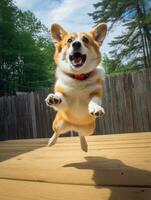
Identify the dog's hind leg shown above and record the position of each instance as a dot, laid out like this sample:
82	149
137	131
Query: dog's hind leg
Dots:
53	139
60	126
84	130
83	143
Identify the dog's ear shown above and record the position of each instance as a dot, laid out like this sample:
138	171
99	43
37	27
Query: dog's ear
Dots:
57	33
99	32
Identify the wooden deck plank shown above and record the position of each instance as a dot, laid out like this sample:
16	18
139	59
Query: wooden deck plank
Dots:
103	143
109	137
114	160
125	136
25	190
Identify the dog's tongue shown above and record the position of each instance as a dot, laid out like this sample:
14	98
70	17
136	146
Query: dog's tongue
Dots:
77	60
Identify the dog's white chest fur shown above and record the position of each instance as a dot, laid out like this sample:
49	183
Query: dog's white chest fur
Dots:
78	92
78	103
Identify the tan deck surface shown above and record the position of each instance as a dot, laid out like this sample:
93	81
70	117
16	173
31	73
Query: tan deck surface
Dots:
116	167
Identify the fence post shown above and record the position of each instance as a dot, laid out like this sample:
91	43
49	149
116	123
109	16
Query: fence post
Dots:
33	114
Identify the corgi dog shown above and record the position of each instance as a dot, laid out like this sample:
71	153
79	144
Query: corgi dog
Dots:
77	93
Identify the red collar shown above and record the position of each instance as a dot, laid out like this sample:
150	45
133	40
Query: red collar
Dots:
80	77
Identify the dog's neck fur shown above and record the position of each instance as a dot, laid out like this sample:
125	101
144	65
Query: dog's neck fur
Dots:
68	82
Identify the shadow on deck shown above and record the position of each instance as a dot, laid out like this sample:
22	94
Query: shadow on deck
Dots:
106	175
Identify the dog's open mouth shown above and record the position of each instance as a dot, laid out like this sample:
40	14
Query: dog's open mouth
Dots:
77	59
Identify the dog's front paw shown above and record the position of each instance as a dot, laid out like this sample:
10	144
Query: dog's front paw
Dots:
95	110
53	99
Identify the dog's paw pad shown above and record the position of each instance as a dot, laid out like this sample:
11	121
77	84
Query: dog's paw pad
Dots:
96	111
53	99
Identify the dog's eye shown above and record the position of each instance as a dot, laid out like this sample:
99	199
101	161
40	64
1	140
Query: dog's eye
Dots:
85	39
69	40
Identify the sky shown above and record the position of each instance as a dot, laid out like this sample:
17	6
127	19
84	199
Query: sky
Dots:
71	14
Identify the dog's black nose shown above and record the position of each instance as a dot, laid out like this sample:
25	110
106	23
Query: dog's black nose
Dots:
76	45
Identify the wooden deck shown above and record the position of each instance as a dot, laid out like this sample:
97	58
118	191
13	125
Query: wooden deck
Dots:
116	167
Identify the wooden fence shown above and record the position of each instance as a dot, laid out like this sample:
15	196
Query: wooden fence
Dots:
127	103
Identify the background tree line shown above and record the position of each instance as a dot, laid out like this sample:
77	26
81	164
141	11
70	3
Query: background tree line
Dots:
132	49
26	52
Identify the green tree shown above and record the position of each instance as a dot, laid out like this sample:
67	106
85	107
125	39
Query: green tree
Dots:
110	65
133	47
35	50
115	66
26	51
8	56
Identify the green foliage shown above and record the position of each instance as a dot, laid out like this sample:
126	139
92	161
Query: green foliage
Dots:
132	49
26	52
115	66
110	65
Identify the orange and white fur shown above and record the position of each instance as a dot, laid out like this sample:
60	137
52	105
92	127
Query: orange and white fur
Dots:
77	94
